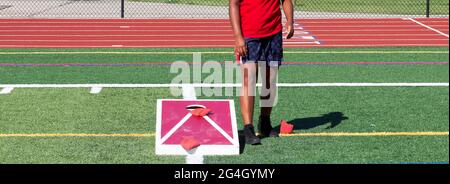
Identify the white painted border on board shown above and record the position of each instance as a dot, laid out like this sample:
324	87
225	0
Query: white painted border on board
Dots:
161	149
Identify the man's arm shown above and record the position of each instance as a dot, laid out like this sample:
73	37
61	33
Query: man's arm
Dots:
235	19
288	9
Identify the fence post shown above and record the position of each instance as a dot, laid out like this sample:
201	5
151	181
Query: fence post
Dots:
122	8
428	8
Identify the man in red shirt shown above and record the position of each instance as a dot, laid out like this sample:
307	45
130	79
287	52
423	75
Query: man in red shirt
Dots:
257	30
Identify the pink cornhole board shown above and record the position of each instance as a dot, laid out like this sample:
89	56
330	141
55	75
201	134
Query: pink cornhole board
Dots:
216	132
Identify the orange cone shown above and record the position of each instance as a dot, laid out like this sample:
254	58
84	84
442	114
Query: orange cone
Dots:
286	128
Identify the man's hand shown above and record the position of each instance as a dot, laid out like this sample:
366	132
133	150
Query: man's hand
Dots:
288	8
235	19
240	47
289	30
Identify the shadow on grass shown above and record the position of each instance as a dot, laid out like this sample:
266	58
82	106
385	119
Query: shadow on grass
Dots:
332	118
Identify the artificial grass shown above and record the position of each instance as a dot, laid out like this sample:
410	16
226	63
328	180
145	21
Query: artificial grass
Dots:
289	73
309	54
341	150
362	109
86	150
161	74
78	111
366	109
132	111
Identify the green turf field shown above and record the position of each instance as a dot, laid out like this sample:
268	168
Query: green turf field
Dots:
132	111
407	7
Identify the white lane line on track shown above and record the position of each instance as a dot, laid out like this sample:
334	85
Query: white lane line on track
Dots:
199	30
297	27
298	42
428	27
216	45
206	35
231	40
217	21
115	26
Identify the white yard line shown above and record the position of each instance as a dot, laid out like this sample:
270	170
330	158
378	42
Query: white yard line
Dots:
6	90
96	90
225	85
188	92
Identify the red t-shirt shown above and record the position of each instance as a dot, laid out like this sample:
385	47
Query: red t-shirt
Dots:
260	18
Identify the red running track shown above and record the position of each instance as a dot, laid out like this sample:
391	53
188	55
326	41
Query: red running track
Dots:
213	33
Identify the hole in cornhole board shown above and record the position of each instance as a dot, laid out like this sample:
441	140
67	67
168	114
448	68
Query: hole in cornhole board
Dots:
195	106
216	132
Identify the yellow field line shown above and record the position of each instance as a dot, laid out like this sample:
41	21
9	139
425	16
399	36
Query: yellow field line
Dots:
219	52
367	134
317	134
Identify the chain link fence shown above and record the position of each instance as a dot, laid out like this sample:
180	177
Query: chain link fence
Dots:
215	8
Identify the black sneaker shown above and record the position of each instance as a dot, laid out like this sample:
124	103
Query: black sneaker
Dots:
250	137
265	128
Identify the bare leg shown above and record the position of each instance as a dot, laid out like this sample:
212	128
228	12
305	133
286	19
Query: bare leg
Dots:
247	97
249	76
